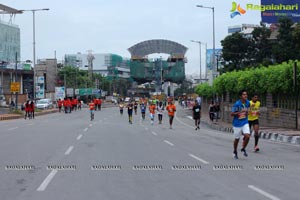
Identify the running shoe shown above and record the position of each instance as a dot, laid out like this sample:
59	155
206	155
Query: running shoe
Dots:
235	155
256	149
245	152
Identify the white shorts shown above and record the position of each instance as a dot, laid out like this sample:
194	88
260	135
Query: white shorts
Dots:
238	131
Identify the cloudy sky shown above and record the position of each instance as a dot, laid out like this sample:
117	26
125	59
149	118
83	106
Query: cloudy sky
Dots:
112	26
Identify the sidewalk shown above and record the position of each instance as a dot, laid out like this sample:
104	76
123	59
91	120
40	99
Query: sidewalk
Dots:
270	133
17	116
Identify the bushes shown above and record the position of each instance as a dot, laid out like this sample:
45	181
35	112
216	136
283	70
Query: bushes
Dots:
273	79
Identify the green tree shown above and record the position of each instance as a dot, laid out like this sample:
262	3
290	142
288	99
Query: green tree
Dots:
237	52
283	50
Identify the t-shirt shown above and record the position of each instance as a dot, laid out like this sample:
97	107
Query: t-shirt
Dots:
171	109
129	108
196	110
92	106
143	108
160	110
253	111
241	119
152	109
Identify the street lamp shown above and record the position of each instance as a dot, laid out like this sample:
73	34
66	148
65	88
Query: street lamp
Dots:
200	77
214	46
34	74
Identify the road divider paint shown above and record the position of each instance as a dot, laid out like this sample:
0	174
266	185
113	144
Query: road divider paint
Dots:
268	195
79	137
91	125
154	133
85	130
69	150
199	159
46	182
169	143
13	128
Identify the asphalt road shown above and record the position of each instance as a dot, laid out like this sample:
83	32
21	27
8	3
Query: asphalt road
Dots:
66	156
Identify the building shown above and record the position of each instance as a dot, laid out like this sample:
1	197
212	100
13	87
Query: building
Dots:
9	42
104	64
245	29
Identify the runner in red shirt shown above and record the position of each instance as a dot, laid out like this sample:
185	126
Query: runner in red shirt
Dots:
59	104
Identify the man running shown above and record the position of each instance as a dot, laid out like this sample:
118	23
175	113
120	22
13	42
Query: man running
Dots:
171	108
121	106
59	104
160	110
253	119
240	123
143	110
135	107
152	108
130	110
92	109
197	114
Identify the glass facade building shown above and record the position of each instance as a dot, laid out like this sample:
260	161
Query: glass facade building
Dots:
9	42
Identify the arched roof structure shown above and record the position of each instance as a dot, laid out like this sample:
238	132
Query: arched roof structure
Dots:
147	47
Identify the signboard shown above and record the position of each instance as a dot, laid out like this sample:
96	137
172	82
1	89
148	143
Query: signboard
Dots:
59	93
70	92
15	87
85	91
272	10
40	87
209	58
27	66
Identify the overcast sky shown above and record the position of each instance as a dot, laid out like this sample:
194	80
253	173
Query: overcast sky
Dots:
112	26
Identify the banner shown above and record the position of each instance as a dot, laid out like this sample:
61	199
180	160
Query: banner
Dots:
40	87
59	93
272	10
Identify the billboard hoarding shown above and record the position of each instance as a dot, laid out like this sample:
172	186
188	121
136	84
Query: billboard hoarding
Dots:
272	10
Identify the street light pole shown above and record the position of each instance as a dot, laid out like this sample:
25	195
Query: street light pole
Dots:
214	44
33	25
200	77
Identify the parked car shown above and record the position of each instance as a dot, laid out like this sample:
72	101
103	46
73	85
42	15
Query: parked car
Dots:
44	104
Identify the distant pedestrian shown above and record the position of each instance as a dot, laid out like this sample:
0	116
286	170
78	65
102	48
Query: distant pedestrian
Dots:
240	123
253	116
27	109
143	110
32	109
171	108
197	114
152	108
160	110
130	110
212	111
59	104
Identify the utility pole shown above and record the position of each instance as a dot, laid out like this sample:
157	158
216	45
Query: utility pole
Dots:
16	77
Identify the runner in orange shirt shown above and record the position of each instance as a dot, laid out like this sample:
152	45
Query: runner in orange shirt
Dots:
171	108
59	104
92	109
152	108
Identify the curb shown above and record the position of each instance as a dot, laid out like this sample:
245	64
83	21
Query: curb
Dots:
263	135
11	117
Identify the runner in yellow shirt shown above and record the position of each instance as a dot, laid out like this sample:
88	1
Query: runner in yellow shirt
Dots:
253	116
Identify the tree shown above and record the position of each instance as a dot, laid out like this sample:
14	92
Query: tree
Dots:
296	40
262	45
236	52
283	50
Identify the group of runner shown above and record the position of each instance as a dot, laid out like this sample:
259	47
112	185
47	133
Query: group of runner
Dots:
154	107
245	115
69	104
29	110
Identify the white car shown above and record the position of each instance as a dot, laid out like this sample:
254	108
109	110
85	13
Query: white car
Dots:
44	104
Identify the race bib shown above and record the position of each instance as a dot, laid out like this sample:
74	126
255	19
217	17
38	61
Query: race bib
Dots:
197	110
242	115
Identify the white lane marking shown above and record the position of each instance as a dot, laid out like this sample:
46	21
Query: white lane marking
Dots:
190	117
85	130
268	195
91	125
154	133
79	137
146	129
69	150
169	143
30	124
184	123
199	159
13	128
46	182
